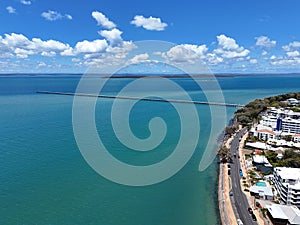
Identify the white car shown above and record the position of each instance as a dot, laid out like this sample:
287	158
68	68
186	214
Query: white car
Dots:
239	222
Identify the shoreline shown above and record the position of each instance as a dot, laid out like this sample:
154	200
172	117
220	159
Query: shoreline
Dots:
224	220
226	212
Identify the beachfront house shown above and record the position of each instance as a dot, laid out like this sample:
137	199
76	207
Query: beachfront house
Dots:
261	163
283	214
293	101
262	132
262	192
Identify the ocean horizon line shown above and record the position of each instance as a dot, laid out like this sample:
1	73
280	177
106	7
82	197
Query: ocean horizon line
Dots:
151	75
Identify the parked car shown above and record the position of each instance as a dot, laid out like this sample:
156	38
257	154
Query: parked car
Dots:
250	210
239	222
254	217
231	193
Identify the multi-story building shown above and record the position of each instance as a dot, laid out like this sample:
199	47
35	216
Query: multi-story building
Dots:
282	120
287	183
263	132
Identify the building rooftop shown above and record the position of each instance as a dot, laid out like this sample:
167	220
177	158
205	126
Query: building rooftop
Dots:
285	111
285	212
261	190
276	212
266	131
288	173
260	127
260	159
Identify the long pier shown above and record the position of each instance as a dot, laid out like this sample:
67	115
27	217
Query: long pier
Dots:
143	99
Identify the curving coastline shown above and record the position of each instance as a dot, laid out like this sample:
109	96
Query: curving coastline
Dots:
241	201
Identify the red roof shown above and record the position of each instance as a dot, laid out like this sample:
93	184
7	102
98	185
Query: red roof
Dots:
257	151
266	131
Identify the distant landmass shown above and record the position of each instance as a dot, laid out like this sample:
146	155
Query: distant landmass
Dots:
153	75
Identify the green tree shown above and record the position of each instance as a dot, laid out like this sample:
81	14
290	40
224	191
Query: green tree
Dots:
272	157
229	130
224	154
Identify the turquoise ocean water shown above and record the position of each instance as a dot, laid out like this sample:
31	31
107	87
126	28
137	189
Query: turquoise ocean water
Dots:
45	181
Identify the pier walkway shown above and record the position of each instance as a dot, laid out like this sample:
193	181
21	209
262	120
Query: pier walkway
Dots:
143	99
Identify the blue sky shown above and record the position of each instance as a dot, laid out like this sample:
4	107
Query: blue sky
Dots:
229	36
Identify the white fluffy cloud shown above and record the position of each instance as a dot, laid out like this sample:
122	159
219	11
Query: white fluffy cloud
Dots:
227	43
86	47
111	56
291	46
185	53
264	41
293	54
110	49
10	9
14	40
228	48
48	54
89	52
113	36
139	58
103	20
126	47
23	53
253	61
25	2
150	23
213	59
38	44
22	47
291	57
54	15
200	50
68	16
285	61
91	46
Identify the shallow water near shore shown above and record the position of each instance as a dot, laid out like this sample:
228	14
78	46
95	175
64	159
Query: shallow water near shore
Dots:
45	180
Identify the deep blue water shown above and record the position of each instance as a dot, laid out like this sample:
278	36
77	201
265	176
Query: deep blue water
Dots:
45	180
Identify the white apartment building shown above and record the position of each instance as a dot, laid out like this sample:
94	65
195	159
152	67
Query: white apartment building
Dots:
263	132
293	101
287	183
282	120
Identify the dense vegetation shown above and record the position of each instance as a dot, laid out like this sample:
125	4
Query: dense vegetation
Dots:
250	113
291	158
224	154
230	130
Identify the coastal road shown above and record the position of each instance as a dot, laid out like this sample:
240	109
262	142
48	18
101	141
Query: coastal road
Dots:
239	198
